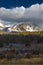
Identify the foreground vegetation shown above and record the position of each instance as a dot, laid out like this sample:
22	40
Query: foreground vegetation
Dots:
22	33
18	55
23	61
25	37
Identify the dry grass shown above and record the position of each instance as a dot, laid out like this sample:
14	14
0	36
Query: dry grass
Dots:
23	61
28	33
22	33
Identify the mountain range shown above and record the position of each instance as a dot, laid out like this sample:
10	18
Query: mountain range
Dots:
20	27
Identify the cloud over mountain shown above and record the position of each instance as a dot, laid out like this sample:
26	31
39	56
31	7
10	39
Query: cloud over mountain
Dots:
21	14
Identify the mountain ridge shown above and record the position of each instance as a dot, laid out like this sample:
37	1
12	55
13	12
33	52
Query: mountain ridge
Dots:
20	27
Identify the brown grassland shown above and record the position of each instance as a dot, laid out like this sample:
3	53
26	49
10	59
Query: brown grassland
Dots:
34	60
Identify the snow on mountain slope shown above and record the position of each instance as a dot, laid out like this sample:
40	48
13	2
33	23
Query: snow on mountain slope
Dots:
23	27
20	27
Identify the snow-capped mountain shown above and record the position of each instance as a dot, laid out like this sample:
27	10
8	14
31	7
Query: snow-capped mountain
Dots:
23	27
20	27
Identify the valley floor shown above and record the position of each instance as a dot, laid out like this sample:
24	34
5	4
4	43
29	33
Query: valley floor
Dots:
23	61
15	45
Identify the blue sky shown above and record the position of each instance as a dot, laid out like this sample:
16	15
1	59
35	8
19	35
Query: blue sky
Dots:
14	11
18	3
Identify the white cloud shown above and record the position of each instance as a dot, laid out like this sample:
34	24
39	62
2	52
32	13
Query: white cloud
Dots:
33	13
13	13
